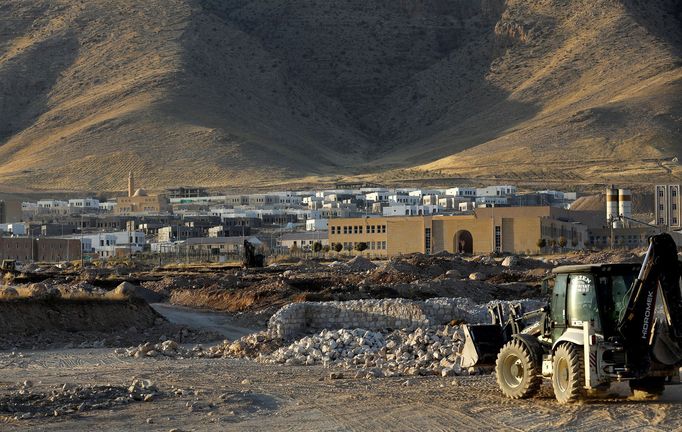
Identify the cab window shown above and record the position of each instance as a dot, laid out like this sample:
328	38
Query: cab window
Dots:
582	300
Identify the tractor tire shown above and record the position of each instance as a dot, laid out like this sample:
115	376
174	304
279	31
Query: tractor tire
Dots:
648	388
518	370
568	373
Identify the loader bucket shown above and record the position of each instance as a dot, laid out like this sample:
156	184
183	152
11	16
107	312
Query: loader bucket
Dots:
481	344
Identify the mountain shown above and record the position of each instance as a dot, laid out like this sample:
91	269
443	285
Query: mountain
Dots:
255	92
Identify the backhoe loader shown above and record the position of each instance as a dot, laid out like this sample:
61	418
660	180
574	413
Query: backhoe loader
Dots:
602	324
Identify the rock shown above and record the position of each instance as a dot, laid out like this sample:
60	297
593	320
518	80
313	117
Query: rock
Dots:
477	276
335	375
128	290
42	291
447	372
510	261
246	381
8	293
453	274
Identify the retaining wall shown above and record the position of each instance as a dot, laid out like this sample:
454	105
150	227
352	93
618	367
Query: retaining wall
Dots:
307	317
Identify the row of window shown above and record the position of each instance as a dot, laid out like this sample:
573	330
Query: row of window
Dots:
662	207
380	245
661	221
359	229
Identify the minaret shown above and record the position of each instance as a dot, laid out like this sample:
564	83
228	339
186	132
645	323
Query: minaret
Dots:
131	184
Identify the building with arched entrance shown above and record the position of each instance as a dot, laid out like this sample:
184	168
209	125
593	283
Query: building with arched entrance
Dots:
501	229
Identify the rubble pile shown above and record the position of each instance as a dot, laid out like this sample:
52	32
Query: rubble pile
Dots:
249	346
24	401
424	351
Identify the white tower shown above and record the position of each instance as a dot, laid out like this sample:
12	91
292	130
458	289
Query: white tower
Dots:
612	206
625	204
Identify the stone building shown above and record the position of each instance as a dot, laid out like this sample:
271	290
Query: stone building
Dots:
138	201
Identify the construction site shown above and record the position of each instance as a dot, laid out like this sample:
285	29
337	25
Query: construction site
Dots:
303	344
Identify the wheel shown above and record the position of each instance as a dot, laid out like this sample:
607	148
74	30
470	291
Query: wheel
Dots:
518	370
648	388
568	373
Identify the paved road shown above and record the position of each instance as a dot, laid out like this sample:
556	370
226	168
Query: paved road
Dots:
218	322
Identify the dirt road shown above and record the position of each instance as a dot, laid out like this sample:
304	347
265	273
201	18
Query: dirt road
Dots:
216	397
218	322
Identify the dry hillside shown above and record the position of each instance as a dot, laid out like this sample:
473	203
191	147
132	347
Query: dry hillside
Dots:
239	92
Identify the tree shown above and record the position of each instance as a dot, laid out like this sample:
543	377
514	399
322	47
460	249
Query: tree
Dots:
294	249
317	247
326	248
541	244
562	242
552	244
360	246
338	247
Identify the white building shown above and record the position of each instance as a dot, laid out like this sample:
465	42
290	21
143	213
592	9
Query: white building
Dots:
303	240
491	191
461	192
316	224
466	206
114	243
108	206
491	200
668	209
18	229
411	210
51	204
378	196
408	200
422	192
84	204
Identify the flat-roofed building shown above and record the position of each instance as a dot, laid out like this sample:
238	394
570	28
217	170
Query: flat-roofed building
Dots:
509	229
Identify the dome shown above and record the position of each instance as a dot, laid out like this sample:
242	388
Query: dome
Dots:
140	192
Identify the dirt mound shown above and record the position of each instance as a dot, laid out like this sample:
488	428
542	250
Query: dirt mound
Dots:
360	264
32	316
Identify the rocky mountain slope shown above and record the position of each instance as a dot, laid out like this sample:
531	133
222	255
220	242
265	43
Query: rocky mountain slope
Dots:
244	92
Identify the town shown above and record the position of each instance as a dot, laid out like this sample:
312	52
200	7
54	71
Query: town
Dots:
188	224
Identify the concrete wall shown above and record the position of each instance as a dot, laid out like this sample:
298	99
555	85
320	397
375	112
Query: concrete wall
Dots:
296	319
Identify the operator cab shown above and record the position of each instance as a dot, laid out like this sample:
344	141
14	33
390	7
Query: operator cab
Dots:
596	293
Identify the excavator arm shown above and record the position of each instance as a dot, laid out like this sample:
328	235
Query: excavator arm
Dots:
660	269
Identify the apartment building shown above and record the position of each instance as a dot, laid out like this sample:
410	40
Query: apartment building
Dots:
668	206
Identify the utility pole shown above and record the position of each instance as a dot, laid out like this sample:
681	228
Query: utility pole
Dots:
81	240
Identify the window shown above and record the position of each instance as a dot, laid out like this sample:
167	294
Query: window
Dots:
427	240
674	221
674	206
660	206
383	229
582	300
660	221
498	239
355	229
673	192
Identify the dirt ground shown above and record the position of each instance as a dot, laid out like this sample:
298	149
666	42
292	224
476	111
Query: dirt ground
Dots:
242	395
